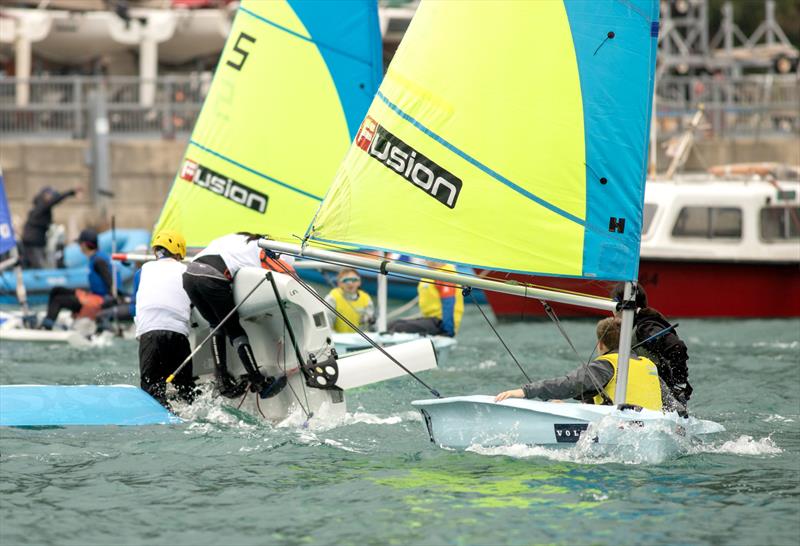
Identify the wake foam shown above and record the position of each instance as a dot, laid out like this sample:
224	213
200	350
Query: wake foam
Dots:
744	445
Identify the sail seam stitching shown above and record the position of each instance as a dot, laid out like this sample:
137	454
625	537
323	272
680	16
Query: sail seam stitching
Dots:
298	35
494	174
253	171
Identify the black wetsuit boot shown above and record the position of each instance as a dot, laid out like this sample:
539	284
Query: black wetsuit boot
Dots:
227	385
267	387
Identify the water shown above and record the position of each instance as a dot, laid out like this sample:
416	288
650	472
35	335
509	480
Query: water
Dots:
376	479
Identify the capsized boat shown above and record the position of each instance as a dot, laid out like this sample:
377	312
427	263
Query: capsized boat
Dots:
524	153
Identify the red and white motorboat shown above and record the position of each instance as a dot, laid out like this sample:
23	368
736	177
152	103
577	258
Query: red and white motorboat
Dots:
711	247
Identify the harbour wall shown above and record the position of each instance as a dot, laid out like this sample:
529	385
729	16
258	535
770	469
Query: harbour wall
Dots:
142	172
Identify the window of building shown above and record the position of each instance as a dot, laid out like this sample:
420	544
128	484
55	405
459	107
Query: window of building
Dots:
649	214
780	223
709	222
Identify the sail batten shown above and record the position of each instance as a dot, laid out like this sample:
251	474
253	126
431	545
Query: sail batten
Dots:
520	152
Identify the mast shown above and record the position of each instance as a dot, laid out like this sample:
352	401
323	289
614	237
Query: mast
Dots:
376	264
383	289
625	337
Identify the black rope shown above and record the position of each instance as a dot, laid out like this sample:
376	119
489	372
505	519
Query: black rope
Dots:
302	383
351	325
552	315
288	327
475	301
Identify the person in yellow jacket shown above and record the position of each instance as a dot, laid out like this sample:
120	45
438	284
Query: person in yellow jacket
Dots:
595	383
350	301
441	305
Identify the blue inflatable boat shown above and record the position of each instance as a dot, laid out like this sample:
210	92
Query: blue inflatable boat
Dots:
38	282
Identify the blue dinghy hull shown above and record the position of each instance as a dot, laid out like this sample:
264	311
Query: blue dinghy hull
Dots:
75	405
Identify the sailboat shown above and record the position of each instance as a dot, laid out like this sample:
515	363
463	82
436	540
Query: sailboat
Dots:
508	136
294	81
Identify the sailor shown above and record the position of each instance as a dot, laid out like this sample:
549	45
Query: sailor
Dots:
667	350
595	383
441	305
34	233
81	302
208	282
162	319
351	302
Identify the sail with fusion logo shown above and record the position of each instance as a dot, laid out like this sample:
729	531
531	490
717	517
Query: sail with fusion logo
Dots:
290	90
506	135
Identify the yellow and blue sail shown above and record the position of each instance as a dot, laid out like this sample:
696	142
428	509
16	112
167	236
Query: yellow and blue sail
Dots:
506	135
293	83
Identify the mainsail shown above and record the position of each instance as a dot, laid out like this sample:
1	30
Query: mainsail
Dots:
506	135
292	85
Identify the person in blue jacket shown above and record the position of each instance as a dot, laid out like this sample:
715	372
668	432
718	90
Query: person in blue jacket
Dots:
84	303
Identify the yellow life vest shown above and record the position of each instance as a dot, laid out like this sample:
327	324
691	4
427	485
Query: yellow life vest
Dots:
430	299
352	309
644	387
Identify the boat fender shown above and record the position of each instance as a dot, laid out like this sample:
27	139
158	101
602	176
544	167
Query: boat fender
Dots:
633	407
322	374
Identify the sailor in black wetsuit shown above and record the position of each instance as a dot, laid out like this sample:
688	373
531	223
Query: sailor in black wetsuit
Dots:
667	351
208	282
34	233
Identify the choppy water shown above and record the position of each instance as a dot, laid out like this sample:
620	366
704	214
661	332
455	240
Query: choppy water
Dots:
225	478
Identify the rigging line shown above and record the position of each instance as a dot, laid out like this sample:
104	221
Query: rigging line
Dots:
302	383
552	315
508	349
355	328
595	384
288	327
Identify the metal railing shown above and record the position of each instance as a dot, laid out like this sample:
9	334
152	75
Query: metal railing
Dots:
751	106
54	107
58	107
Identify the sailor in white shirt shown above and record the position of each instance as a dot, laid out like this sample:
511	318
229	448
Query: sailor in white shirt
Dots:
208	282
162	319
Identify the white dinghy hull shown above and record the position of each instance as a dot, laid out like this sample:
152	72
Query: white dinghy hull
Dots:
348	343
463	421
262	319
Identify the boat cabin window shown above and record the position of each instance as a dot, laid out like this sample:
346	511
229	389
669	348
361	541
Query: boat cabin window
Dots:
709	223
649	214
780	223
